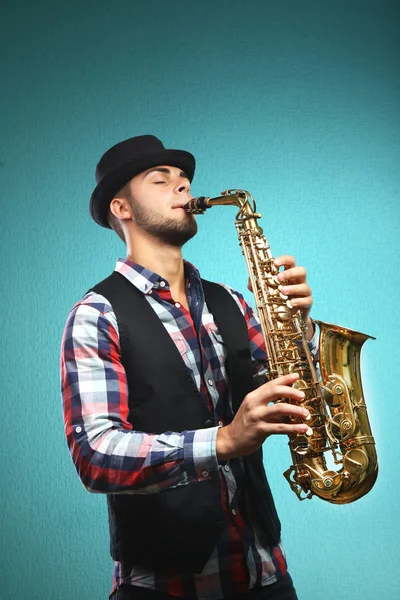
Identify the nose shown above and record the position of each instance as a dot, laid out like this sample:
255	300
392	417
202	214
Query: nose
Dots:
183	186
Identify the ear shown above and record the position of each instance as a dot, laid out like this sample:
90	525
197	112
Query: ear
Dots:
121	208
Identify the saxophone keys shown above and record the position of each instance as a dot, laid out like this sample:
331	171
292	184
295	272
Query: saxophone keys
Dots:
281	294
283	313
342	426
300	444
355	461
274	293
300	384
274	269
330	481
272	282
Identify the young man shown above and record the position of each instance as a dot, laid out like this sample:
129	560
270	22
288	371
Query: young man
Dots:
160	408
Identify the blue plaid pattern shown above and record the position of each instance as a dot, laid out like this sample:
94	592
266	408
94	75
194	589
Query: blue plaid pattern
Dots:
111	457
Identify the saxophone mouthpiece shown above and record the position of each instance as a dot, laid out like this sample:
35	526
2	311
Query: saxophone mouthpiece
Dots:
197	206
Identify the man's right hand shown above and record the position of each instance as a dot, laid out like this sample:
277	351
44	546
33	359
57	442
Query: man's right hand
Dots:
257	419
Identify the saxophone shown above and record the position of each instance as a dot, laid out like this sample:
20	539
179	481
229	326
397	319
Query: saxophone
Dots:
333	394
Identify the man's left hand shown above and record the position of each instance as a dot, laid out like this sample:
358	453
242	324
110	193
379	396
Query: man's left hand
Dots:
294	285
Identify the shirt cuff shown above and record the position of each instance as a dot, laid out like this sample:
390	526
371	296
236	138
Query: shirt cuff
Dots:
200	454
314	342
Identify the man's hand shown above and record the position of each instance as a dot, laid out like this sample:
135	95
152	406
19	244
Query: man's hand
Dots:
256	419
294	285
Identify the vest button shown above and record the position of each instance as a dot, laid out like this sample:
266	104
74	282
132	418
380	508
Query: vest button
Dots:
209	423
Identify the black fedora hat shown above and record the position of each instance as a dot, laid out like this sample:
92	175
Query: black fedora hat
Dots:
125	160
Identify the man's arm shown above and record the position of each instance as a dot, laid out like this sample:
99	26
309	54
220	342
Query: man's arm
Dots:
258	416
109	455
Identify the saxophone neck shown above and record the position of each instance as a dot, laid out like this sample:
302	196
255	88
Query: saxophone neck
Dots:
240	198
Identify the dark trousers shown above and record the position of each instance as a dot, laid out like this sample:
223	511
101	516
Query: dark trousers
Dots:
281	590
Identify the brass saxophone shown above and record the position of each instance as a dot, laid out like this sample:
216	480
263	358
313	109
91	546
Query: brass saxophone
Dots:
339	419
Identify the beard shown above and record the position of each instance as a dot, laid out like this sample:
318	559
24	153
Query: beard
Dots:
168	231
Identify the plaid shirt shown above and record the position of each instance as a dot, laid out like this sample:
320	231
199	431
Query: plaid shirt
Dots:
111	457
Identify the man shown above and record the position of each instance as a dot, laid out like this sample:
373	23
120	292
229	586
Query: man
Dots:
160	408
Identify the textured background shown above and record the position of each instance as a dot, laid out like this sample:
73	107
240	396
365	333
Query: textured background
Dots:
299	102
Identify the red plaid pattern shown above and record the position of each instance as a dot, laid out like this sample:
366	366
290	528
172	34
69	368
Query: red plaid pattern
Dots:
111	457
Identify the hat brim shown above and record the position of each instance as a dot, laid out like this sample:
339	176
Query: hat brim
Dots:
105	191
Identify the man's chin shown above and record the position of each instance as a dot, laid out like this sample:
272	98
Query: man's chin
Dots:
176	236
183	238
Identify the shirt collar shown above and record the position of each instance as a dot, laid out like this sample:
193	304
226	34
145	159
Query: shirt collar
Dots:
146	280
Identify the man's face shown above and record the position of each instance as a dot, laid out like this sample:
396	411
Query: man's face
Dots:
158	197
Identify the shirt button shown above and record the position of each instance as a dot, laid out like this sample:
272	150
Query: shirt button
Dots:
204	473
177	305
226	468
208	423
233	511
210	382
162	284
78	429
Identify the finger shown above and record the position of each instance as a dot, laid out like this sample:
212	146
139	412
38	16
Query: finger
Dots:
302	303
288	379
277	392
249	285
287	429
301	290
288	393
281	413
266	389
281	410
285	260
293	275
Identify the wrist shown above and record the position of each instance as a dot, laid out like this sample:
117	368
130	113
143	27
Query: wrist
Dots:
223	444
310	328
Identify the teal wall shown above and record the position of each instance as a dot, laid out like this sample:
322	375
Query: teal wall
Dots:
298	102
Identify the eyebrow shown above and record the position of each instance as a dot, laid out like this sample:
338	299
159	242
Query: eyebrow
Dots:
164	170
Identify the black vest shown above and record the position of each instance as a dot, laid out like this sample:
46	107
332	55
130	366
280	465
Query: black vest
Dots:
178	527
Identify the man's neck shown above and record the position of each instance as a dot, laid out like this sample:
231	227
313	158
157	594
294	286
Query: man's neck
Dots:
165	260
